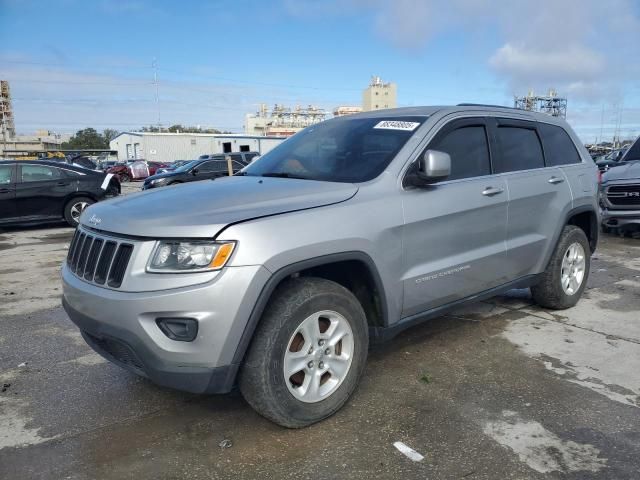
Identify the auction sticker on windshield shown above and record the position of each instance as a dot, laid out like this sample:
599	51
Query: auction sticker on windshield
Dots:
397	125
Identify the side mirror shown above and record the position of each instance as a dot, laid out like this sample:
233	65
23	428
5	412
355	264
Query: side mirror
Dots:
194	171
434	166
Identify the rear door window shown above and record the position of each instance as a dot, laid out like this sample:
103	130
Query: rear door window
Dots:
39	173
520	149
558	146
469	151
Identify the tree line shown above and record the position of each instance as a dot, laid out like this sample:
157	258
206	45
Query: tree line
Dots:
90	138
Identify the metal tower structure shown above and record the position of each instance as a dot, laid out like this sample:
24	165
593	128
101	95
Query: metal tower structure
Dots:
550	104
7	127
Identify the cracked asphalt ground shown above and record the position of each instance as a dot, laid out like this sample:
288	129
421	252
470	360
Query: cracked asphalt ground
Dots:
498	390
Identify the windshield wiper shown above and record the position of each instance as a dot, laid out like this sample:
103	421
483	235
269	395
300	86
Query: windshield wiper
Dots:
284	175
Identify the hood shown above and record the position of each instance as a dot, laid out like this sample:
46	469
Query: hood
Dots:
202	209
623	171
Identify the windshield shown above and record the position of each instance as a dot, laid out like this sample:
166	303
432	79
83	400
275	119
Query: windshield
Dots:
187	166
343	150
634	152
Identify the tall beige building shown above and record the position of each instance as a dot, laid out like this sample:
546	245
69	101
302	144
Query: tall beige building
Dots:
379	95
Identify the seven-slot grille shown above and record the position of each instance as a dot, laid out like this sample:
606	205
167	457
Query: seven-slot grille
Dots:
97	259
624	195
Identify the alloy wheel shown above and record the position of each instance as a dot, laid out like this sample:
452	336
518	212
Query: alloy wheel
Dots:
318	356
573	268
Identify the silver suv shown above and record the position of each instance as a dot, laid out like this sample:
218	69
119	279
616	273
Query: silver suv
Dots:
278	279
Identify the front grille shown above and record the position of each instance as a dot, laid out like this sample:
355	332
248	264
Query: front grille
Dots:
119	351
624	195
97	259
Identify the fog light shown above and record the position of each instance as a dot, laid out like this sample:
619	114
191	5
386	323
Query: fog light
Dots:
179	329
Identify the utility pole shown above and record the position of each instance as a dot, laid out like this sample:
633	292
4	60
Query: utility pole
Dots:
155	82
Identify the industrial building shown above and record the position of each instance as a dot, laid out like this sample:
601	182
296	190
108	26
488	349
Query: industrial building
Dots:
282	121
168	147
7	127
379	95
550	104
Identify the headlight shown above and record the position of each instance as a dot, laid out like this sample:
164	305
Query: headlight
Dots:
195	256
155	181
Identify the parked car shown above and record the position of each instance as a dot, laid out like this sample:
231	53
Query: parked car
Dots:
34	191
136	170
242	157
172	166
107	164
83	161
194	171
620	193
612	159
352	230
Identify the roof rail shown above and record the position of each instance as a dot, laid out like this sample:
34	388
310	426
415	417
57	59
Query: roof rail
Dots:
486	105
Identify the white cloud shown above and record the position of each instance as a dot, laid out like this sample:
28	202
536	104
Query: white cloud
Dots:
574	63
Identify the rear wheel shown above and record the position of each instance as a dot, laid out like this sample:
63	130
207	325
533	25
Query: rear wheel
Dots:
74	208
124	177
308	353
565	278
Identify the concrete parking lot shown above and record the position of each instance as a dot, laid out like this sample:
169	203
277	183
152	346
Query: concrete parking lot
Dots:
501	389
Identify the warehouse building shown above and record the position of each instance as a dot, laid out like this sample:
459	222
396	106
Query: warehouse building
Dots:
168	147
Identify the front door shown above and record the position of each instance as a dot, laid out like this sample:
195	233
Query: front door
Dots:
7	192
455	230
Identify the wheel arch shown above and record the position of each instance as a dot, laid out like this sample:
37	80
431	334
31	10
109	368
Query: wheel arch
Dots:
354	270
73	195
586	219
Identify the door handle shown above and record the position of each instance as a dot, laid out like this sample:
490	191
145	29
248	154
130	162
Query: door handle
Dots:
555	180
5	190
491	191
63	184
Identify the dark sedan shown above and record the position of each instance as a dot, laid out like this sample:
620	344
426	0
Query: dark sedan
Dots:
201	169
36	191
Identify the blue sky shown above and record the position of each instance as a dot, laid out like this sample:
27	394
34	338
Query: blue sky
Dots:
74	63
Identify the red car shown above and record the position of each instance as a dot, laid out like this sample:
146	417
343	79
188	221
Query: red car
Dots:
136	170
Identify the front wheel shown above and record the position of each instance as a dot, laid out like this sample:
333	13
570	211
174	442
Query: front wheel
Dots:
308	353
74	208
565	278
124	177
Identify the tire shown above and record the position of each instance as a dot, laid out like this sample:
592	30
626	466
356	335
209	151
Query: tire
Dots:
550	292
299	302
124	177
74	208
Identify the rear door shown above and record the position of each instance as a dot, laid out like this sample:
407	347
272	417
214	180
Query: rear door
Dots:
455	230
41	190
539	195
7	191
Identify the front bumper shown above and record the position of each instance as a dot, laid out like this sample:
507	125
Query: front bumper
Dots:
620	218
121	326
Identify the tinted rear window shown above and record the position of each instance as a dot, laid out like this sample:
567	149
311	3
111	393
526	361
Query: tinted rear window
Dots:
558	146
469	152
520	150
